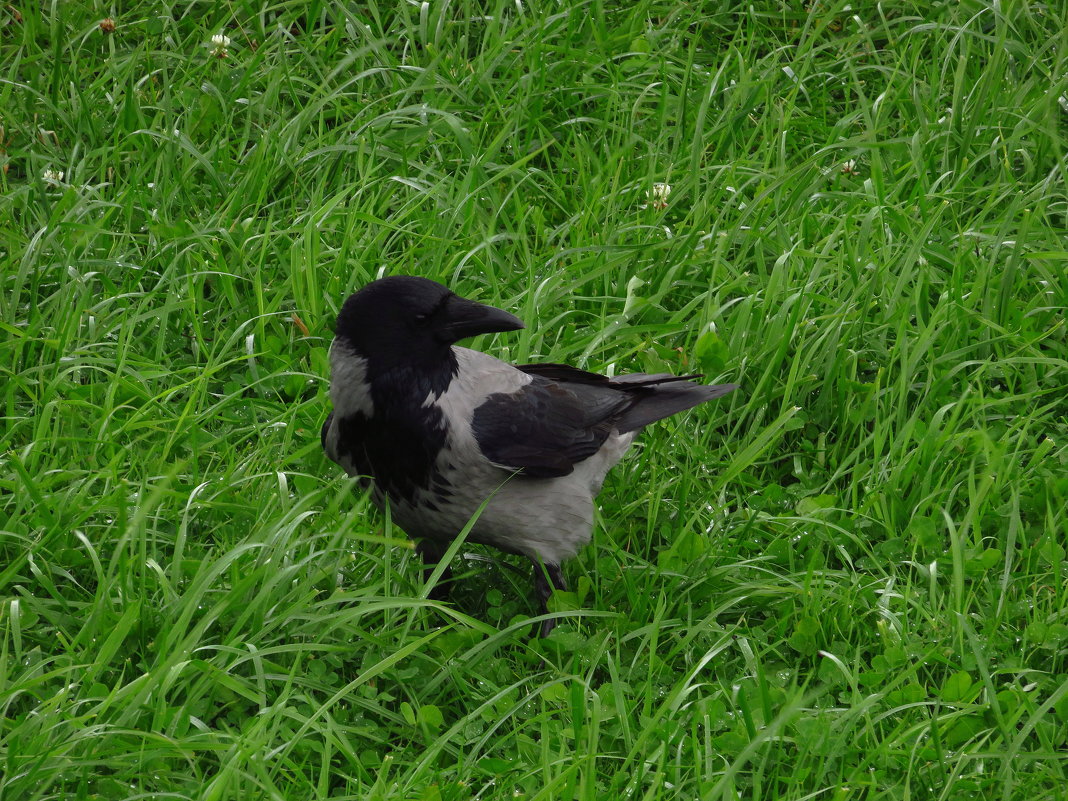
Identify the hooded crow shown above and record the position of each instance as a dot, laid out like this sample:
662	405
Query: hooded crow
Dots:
434	429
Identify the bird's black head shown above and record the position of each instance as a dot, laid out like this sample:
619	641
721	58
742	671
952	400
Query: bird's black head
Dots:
405	320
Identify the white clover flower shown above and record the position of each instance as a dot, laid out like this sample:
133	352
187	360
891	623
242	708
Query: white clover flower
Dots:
849	167
219	43
53	176
658	196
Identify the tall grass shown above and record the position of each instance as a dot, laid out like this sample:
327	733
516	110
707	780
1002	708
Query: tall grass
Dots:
846	580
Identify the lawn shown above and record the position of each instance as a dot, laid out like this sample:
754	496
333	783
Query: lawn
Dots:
846	580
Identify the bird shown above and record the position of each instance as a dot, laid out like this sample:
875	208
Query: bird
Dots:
435	430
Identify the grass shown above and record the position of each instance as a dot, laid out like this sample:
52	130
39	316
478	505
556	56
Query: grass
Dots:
846	580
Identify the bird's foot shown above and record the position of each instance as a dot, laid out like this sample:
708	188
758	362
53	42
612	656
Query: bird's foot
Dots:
547	578
431	553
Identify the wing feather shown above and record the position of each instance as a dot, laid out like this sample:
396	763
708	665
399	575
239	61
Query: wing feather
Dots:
546	427
565	415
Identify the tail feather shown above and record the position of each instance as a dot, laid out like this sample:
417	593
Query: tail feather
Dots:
667	399
647	379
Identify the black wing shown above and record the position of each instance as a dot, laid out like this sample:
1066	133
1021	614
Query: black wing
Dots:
545	428
565	415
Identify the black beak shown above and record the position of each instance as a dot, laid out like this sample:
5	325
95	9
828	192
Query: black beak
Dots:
462	318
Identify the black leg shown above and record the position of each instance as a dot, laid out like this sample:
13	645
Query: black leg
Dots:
431	552
547	577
